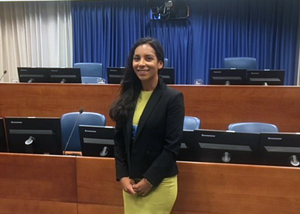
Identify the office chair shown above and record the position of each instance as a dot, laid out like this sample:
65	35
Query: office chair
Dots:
252	127
191	123
240	62
166	62
90	72
68	122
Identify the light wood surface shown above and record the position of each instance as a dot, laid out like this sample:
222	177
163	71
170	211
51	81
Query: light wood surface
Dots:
216	106
37	184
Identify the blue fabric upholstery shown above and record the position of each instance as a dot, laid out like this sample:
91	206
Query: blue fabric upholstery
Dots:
240	62
90	71
252	127
191	123
68	121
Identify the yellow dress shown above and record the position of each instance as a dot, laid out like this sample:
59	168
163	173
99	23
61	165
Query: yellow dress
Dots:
162	198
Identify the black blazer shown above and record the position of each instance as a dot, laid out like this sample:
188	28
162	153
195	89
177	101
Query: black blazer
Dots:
152	154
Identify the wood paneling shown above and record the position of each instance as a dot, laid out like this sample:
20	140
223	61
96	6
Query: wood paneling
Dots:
216	106
203	188
42	184
37	184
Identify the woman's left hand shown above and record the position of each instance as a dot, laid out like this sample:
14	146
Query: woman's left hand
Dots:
143	187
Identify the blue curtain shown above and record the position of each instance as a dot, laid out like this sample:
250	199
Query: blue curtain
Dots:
104	31
268	30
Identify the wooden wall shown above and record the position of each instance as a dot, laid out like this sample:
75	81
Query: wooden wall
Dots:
44	184
216	106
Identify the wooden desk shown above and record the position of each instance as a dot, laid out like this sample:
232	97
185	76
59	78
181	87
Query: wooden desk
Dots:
216	106
37	184
43	184
203	188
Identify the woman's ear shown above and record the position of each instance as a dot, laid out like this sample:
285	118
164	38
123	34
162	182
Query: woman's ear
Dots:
160	65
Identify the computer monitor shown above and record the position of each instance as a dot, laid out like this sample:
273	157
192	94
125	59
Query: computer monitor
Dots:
187	147
227	76
49	75
65	75
227	147
168	75
36	135
115	75
3	142
265	77
282	149
97	141
36	75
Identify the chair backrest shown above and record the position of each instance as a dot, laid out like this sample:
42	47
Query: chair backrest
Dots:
90	71
68	121
252	127
240	62
166	62
191	123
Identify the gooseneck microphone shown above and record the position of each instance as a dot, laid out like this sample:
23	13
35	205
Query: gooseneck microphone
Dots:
4	72
75	124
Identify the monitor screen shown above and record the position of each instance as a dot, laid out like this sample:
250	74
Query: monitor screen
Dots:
3	143
227	147
38	75
34	135
97	141
49	75
65	75
281	149
115	75
265	77
227	76
187	147
168	75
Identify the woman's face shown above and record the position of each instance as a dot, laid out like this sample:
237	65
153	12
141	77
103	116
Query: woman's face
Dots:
145	63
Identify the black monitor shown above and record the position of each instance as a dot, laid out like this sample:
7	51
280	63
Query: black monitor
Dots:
49	75
65	75
34	135
227	147
265	77
281	149
115	75
3	143
227	76
168	75
187	147
97	141
37	75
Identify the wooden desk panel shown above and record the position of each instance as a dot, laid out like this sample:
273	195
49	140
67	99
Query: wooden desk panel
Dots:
216	106
203	188
37	184
37	177
224	188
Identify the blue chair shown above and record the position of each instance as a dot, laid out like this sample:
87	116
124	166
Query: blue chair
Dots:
166	62
68	121
191	123
240	62
90	71
252	127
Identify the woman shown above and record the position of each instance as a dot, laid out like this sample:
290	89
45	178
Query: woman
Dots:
149	121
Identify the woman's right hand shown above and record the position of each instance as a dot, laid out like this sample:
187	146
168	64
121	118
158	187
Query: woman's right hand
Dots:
127	184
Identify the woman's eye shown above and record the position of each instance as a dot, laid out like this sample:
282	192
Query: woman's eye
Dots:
136	58
149	58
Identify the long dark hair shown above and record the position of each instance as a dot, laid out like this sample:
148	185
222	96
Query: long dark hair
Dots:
131	85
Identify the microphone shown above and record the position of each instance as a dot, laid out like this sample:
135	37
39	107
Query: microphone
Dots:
75	124
4	72
63	81
31	80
